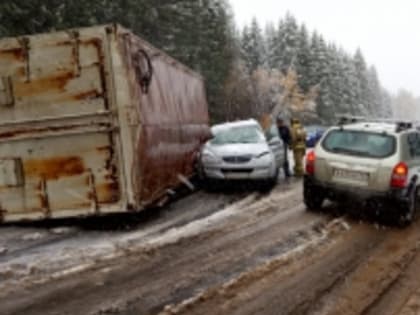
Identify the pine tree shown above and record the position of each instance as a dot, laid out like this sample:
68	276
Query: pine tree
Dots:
202	35
374	90
271	42
349	81
278	46
289	43
362	83
303	57
253	47
386	104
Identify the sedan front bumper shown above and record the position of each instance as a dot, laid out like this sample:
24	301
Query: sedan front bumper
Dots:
239	173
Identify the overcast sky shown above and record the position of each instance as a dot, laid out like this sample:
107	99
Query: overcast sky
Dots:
387	31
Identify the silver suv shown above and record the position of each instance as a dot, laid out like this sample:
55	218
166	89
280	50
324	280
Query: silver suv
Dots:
377	163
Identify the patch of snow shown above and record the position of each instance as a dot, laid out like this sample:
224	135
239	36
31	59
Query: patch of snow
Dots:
81	252
33	236
196	227
62	230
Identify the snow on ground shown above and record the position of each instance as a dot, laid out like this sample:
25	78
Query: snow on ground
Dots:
83	250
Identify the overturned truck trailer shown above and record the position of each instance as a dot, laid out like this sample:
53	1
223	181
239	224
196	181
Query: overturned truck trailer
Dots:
93	120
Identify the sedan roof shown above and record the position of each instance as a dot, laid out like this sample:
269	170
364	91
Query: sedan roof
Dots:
240	123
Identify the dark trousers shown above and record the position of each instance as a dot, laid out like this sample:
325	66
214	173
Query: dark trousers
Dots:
286	168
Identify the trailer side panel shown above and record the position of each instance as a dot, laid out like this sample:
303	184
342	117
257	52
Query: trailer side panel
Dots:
57	155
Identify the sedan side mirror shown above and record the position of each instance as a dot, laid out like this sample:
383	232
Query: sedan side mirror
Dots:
274	141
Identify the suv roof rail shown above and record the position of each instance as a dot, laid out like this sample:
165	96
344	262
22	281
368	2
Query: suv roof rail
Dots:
401	124
348	119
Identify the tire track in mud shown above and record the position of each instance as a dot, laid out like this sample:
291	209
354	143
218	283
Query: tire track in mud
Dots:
26	243
366	288
38	252
22	239
246	228
289	283
261	255
412	305
402	296
173	272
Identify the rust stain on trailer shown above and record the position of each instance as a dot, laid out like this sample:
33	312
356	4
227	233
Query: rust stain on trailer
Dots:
108	192
14	133
93	41
105	148
20	132
88	95
44	203
57	82
54	168
85	42
21	71
61	43
97	42
13	53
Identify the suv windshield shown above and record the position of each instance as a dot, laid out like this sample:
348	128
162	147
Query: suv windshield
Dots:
241	134
365	144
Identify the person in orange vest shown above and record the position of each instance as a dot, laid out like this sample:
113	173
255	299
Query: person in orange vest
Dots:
298	145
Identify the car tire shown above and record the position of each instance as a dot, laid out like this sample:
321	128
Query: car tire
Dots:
409	209
313	197
270	183
275	178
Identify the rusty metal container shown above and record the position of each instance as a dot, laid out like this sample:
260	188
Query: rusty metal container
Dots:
94	120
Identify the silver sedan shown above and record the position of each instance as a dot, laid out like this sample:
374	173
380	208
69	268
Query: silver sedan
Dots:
241	151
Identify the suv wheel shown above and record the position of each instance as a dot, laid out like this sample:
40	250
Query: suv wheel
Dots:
408	209
313	197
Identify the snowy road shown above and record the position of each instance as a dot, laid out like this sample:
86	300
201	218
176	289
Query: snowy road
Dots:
213	254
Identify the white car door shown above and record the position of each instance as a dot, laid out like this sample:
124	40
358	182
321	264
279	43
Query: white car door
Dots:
276	145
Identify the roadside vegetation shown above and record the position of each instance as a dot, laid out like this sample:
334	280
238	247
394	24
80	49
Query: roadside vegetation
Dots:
248	71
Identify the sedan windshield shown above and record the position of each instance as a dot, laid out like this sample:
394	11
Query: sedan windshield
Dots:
240	134
364	144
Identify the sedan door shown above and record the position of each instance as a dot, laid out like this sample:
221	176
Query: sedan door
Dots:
276	145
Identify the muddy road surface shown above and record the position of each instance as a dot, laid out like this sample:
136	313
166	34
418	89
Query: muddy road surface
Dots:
236	253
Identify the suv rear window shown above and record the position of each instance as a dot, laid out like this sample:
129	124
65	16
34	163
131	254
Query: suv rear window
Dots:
359	143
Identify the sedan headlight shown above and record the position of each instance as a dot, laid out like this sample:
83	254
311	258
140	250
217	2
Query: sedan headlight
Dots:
209	158
264	160
263	154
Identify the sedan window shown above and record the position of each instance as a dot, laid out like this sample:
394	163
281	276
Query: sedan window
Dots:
240	134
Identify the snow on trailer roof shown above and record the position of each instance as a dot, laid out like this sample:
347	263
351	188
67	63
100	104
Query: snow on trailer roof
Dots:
235	124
